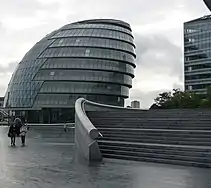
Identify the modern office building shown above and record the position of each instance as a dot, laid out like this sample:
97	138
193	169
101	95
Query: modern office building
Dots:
93	59
135	104
197	54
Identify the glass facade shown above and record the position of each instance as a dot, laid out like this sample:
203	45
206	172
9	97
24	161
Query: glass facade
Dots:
208	3
197	54
93	59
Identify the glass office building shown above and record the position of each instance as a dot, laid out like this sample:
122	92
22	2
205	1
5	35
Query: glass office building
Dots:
93	59
197	54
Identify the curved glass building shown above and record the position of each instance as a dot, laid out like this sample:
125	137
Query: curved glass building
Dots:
93	59
208	3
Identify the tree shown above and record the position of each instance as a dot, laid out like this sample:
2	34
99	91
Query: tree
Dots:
162	98
180	99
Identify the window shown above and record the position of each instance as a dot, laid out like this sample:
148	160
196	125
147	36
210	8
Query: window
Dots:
77	41
87	52
52	73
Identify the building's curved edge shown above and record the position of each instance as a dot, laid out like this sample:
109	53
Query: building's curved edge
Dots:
208	3
106	21
85	134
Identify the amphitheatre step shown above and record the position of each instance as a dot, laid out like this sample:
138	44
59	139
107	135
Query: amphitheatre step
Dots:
160	150
179	142
157	145
148	115
157	160
172	154
173	127
158	155
151	122
157	132
163	137
152	130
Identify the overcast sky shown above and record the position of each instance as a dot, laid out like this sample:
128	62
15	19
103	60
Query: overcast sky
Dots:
157	26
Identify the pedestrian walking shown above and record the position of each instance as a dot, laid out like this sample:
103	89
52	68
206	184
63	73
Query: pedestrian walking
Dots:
12	134
23	131
18	124
65	127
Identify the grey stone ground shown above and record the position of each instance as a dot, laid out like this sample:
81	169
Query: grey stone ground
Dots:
48	161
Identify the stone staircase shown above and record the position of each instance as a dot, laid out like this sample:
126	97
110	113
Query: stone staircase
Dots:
180	137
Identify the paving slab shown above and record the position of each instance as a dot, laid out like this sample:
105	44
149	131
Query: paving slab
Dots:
49	161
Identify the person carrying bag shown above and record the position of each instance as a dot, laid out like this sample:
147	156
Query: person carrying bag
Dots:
23	131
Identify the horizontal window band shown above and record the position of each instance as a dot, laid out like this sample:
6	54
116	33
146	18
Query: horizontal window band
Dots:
84	69
99	47
100	37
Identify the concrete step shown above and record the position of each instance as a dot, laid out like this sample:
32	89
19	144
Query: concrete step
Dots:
167	132
149	140
158	155
174	127
160	150
154	119
204	149
163	137
157	160
149	115
147	122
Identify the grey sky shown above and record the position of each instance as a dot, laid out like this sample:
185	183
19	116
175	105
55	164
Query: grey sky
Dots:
157	26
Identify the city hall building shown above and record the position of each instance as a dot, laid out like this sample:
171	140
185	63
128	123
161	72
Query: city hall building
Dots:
93	59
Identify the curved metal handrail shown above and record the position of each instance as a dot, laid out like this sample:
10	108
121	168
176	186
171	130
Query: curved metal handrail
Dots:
86	134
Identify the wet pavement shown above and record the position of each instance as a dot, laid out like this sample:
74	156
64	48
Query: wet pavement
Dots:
48	161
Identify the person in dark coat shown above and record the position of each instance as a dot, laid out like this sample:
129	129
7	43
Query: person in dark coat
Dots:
18	124
12	134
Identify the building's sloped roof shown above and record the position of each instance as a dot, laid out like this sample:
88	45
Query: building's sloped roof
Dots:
206	17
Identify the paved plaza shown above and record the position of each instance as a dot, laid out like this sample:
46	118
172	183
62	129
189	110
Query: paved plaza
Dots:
48	161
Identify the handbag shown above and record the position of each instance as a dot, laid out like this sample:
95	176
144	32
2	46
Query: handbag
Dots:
9	134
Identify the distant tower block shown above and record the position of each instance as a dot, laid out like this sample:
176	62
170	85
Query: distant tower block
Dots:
135	104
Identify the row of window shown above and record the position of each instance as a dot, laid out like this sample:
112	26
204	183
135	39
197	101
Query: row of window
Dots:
199	76
198	67
93	42
20	102
69	99
197	57
87	75
199	34
77	63
197	26
83	87
95	26
192	40
36	50
201	48
26	86
94	33
201	86
198	52
88	52
32	65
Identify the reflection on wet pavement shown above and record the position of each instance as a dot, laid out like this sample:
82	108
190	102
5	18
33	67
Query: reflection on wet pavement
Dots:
48	161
